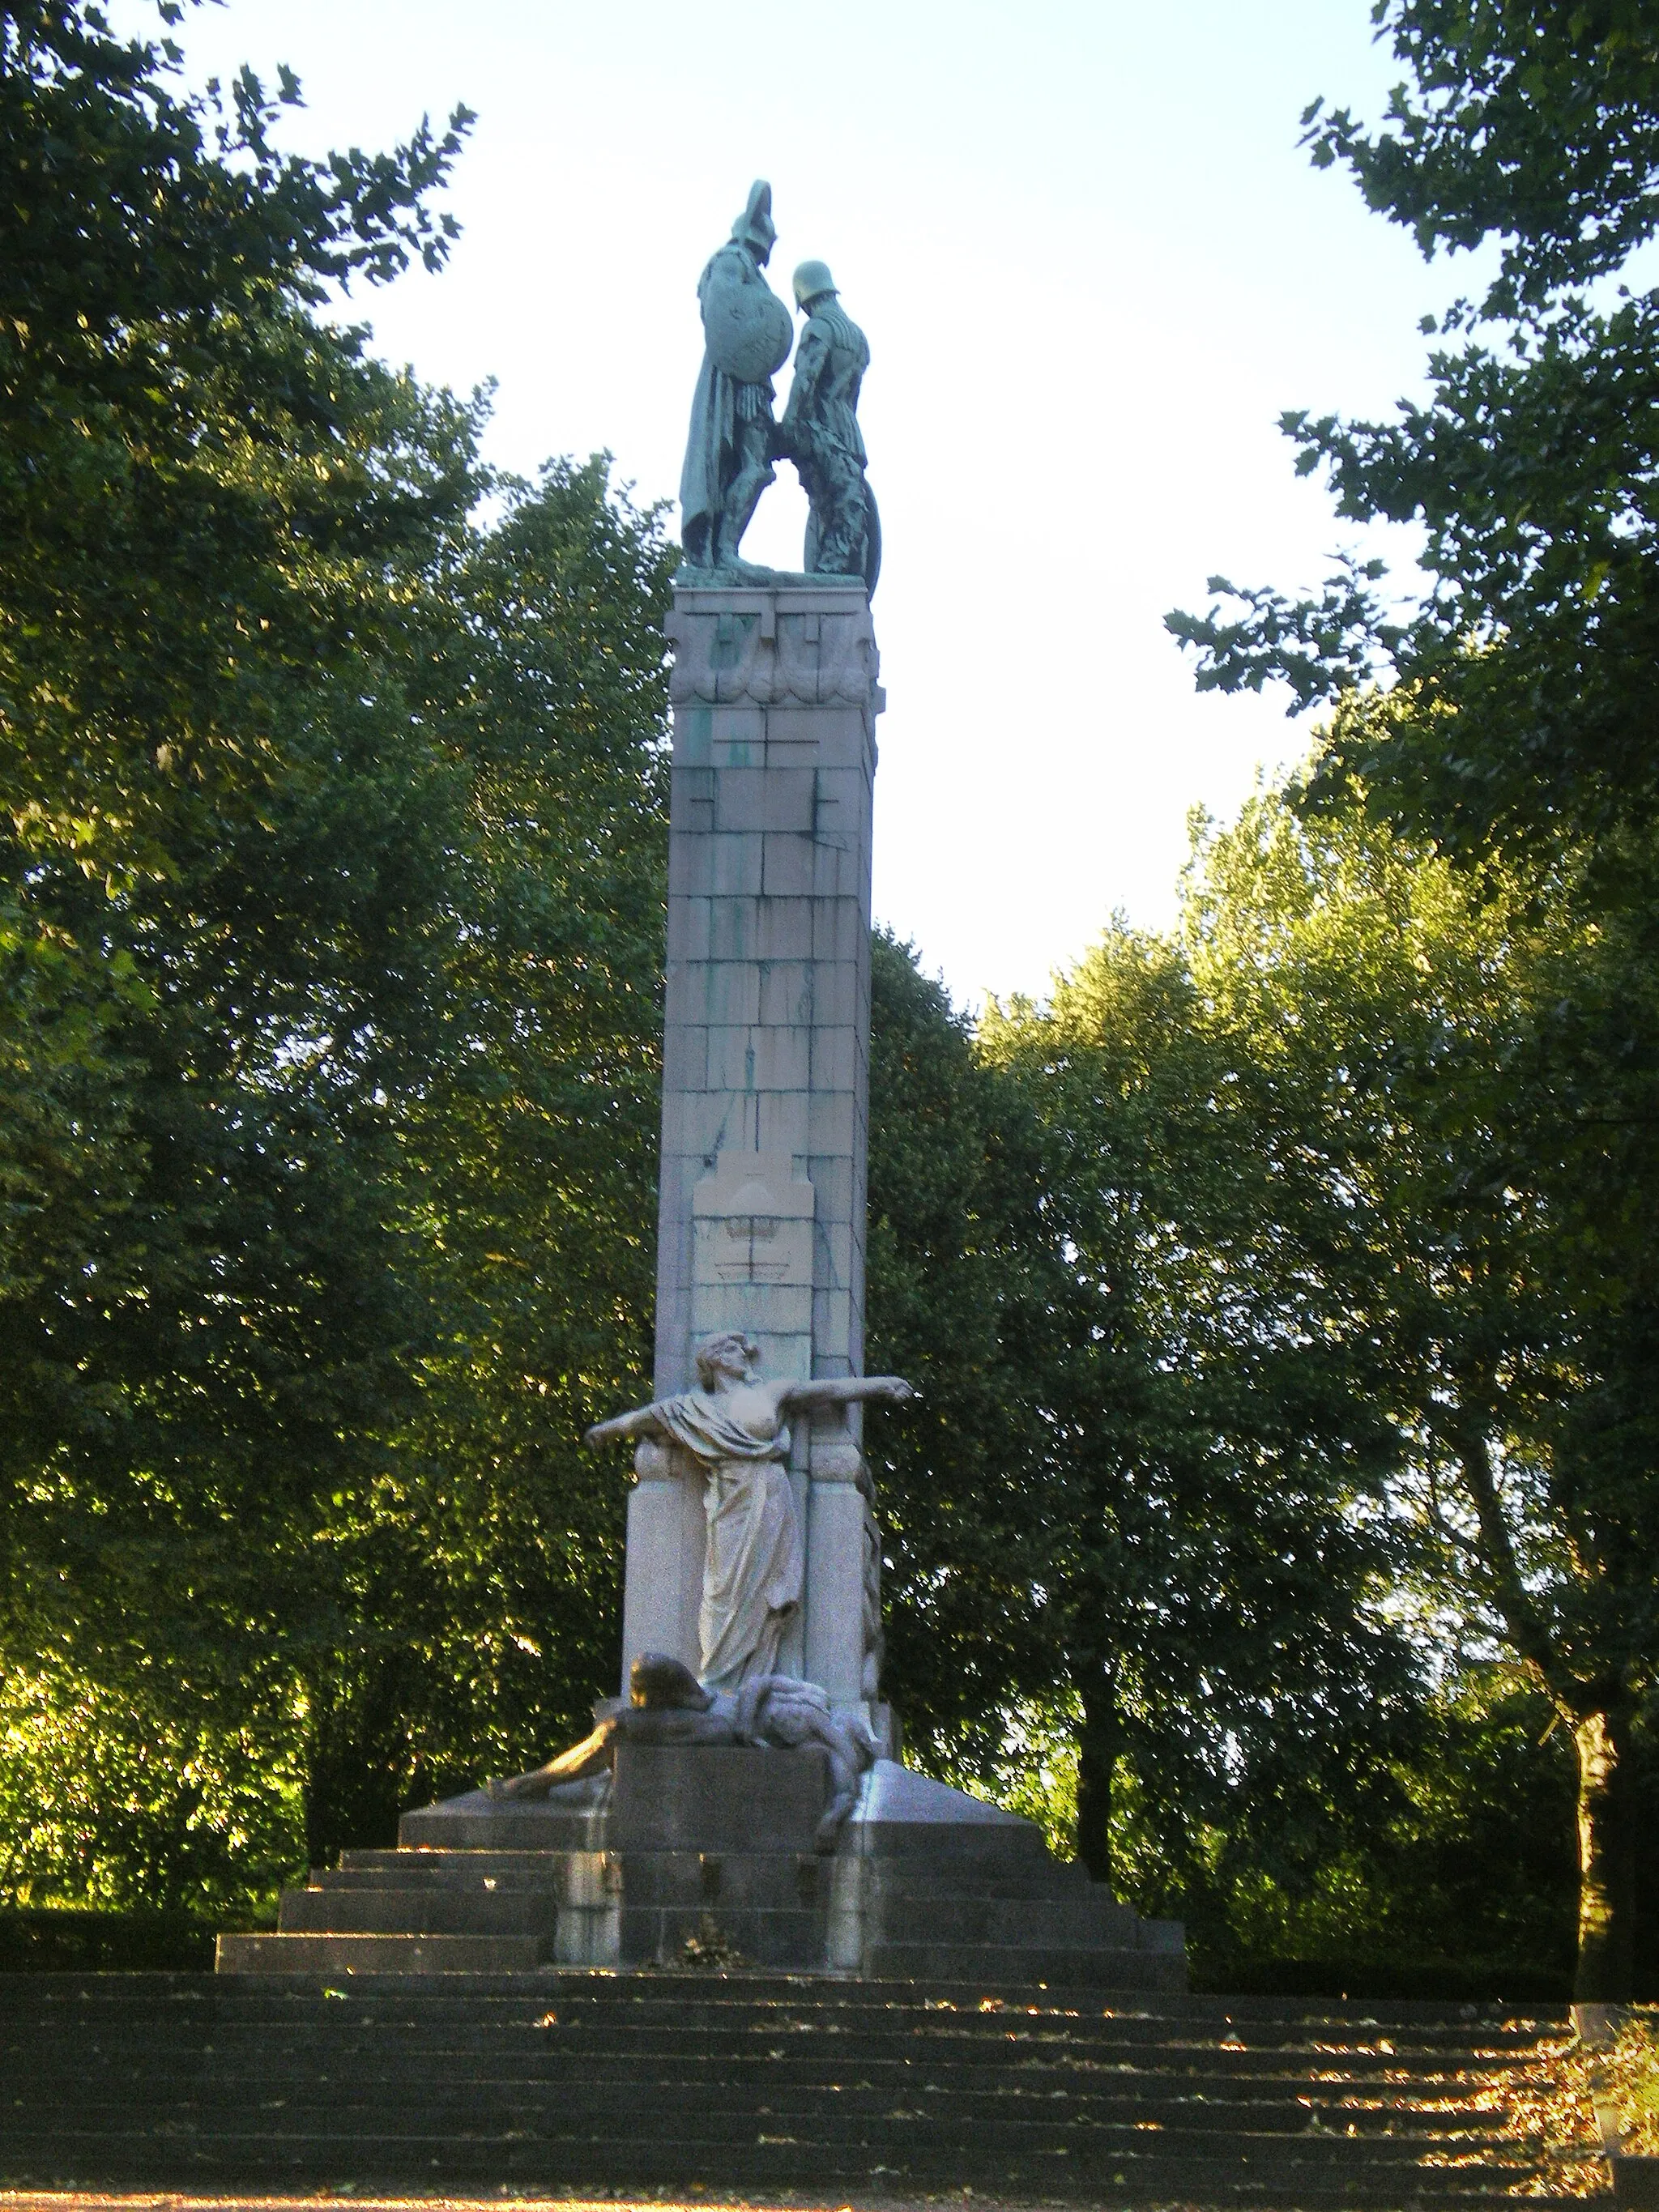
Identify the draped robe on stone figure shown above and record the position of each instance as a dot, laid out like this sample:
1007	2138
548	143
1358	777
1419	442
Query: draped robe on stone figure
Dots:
720	403
754	1569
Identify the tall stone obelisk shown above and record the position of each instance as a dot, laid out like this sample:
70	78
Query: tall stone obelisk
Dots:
765	1085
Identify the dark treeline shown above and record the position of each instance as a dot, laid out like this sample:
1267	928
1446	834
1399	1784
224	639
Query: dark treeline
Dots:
1278	1524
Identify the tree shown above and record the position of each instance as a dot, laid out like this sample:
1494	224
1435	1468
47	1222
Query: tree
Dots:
1198	1456
954	1190
1506	720
1522	700
226	825
483	1558
1453	1048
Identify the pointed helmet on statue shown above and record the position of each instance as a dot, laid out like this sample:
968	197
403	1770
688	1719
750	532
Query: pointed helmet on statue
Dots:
754	227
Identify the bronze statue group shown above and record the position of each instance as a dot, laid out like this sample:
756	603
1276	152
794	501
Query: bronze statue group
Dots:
735	435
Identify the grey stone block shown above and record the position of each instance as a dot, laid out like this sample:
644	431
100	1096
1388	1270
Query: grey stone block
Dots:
688	931
734	929
734	863
675	1241
672	1797
769	799
791	1354
848	789
840	932
419	1909
1009	1965
738	734
693	743
834	1125
684	1057
781	1124
657	1936
722	992
688	868
697	1124
788	865
838	990
786	929
774	1881
691	801
832	1328
838	736
759	1058
902	1813
787	991
409	1862
831	1177
1035	1924
778	1316
835	1240
835	1060
837	868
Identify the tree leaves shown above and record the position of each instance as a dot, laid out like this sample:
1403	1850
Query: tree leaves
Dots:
1523	687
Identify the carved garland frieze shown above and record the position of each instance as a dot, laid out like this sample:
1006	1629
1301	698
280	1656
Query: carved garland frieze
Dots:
761	657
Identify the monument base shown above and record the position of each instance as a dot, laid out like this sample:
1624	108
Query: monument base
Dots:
702	1855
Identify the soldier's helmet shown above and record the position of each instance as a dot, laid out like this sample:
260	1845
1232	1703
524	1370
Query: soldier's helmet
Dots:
813	281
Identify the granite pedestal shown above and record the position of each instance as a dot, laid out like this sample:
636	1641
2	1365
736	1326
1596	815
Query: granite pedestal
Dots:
765	1090
706	1854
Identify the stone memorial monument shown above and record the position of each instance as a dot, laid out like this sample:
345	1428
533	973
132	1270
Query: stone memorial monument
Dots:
746	1781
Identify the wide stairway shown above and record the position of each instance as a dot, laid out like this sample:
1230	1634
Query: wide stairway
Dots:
752	2082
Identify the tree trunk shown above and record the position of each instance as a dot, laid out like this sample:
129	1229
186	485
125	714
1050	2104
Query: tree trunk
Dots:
1098	1742
1607	1859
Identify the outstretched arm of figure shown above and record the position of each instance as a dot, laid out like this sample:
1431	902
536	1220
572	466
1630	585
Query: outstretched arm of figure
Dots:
582	1759
844	1390
642	1422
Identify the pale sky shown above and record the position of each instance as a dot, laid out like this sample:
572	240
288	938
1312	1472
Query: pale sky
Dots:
1093	268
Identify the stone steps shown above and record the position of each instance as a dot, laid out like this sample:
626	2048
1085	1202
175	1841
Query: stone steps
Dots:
475	2094
434	1909
749	2081
823	2167
401	1953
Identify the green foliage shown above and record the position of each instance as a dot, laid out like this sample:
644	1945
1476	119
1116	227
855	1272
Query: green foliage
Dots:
1332	1391
330	937
1474	1104
1205	1578
1470	1879
114	1799
1502	1159
1535	123
954	1193
483	1561
1524	681
226	839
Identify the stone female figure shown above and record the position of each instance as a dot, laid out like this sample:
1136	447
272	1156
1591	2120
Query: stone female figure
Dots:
734	1428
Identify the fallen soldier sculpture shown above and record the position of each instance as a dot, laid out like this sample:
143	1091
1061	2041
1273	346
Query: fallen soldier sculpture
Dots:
668	1704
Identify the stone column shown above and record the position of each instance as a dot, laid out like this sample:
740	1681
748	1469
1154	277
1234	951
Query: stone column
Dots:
765	1081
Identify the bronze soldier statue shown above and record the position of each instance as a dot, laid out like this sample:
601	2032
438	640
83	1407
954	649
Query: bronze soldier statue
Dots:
746	333
820	432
